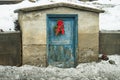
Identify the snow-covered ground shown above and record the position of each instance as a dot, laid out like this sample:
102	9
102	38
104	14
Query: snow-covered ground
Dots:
85	71
110	20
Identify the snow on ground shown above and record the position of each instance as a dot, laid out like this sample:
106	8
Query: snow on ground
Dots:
110	20
85	71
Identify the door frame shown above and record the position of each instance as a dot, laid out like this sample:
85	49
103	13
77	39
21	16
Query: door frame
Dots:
75	35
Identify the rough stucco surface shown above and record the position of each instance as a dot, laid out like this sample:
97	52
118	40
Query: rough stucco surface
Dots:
88	47
33	26
34	55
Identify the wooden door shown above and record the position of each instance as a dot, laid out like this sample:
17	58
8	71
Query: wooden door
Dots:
61	48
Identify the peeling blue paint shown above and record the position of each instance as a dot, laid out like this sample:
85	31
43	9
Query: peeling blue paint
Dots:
61	50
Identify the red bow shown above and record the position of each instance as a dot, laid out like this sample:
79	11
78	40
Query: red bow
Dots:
60	27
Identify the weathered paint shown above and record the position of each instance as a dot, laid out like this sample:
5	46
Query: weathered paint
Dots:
61	48
33	27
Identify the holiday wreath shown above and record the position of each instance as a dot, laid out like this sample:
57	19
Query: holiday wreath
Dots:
59	28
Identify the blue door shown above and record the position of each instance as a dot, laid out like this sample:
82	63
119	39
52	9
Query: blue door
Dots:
61	48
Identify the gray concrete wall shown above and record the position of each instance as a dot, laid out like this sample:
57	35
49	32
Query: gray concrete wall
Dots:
33	27
10	48
110	42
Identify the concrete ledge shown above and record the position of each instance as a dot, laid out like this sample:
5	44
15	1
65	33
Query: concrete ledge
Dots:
61	4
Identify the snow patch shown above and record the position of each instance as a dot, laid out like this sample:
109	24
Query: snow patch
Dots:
84	71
